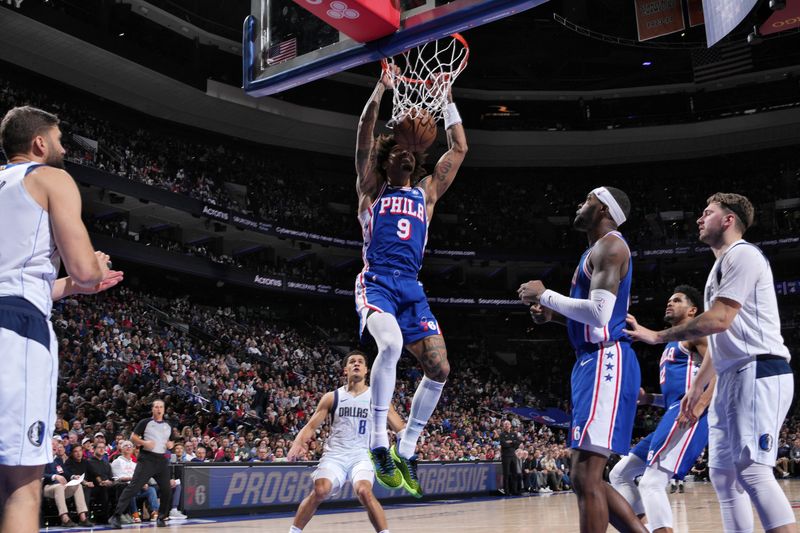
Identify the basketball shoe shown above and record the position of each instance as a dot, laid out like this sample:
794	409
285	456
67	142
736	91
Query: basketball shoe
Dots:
408	470
386	472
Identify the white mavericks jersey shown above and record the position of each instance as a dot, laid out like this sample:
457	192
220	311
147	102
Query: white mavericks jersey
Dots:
744	275
350	425
29	261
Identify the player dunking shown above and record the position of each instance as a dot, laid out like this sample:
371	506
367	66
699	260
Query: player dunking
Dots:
754	380
671	450
346	456
394	211
605	379
41	210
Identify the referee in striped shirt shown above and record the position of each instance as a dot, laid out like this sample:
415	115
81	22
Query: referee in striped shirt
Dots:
152	434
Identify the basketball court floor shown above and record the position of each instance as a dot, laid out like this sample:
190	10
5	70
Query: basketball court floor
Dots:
695	511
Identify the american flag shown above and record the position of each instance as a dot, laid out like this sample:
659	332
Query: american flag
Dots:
722	60
282	51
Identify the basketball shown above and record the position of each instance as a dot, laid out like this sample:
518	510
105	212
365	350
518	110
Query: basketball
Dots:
416	134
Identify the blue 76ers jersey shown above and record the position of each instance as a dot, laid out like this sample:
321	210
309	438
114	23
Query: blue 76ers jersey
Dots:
677	370
585	338
395	229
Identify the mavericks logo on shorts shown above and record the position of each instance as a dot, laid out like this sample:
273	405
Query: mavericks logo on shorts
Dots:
36	433
765	442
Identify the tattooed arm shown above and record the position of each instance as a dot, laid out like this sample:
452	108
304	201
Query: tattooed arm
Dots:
446	168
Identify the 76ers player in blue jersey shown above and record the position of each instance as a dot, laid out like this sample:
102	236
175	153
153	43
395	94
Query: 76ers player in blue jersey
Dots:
671	450
394	210
605	379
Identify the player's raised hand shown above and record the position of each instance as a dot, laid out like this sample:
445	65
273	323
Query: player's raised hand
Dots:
387	75
541	314
531	291
638	332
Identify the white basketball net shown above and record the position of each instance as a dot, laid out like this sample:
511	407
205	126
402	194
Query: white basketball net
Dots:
422	77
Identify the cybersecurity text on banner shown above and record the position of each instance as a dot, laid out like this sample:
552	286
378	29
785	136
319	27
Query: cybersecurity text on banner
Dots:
655	18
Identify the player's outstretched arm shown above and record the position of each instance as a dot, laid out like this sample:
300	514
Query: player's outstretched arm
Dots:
447	167
366	174
716	320
608	259
300	444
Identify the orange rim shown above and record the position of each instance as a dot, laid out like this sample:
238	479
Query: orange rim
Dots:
458	37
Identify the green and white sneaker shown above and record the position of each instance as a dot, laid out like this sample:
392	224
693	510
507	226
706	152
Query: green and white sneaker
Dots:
408	470
386	472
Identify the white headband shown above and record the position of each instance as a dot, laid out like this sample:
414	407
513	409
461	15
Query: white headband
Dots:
613	207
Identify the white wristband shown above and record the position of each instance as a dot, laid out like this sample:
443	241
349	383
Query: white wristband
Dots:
596	311
451	116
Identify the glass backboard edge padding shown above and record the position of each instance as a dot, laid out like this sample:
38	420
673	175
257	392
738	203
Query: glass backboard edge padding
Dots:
417	30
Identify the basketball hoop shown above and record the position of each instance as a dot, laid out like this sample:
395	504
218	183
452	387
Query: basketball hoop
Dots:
422	77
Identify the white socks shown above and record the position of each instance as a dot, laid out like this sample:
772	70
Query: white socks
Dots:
623	479
294	529
384	329
422	406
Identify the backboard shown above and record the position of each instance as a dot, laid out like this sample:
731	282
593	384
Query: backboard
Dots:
285	46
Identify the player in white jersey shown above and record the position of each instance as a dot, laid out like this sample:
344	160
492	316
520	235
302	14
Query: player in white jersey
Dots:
346	451
41	218
754	380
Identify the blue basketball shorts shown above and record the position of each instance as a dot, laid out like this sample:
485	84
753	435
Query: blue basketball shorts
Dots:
673	448
399	294
605	387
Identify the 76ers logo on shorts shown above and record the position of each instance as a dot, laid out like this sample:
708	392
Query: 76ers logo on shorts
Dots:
576	433
36	433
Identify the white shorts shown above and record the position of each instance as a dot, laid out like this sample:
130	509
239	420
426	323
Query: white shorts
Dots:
746	414
28	382
342	468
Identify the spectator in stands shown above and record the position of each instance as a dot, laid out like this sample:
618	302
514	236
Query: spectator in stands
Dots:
55	487
700	468
122	469
794	455
100	473
77	467
200	456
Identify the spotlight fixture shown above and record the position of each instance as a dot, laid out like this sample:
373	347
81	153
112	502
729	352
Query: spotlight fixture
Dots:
777	5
